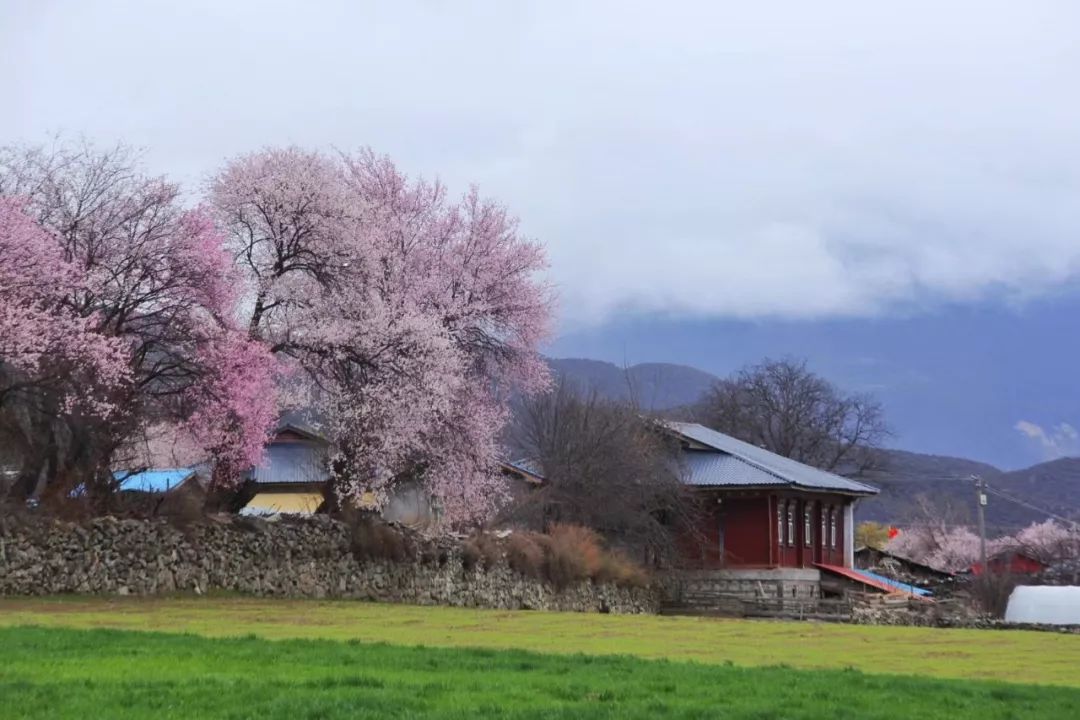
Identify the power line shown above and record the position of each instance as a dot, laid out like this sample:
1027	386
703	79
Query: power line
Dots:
915	477
1000	493
1005	496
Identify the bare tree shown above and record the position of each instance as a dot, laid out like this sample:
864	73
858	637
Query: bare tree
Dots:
784	407
607	467
937	534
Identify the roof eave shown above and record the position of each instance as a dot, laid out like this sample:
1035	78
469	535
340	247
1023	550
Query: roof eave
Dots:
306	432
787	486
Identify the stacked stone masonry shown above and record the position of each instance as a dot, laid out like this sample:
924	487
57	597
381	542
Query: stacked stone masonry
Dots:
309	558
702	587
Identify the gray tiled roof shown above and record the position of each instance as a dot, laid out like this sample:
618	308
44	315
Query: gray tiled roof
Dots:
527	466
306	420
732	462
293	462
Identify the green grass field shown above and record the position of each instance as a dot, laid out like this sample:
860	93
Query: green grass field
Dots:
264	659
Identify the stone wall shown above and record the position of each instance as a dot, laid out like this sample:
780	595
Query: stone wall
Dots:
309	558
711	588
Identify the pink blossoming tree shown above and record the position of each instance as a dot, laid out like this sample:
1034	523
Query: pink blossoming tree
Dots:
48	351
411	316
956	548
151	291
1048	541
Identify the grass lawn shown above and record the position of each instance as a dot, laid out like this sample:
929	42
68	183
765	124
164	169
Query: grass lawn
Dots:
58	673
1013	656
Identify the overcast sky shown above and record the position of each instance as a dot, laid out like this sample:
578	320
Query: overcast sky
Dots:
805	159
766	161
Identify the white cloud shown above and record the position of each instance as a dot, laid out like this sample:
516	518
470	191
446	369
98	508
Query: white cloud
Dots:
1061	440
816	160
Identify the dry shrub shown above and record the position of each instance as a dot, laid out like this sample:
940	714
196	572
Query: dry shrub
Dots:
991	592
373	539
575	553
481	550
67	509
621	570
525	553
470	554
567	554
183	507
432	554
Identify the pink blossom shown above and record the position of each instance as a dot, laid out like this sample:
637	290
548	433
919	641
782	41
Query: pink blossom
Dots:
111	277
234	403
412	316
44	345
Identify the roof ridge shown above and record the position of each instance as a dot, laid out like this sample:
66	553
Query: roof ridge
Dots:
763	467
740	456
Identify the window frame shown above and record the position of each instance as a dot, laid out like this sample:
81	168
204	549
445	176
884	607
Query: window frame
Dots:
781	510
824	525
808	524
832	527
791	524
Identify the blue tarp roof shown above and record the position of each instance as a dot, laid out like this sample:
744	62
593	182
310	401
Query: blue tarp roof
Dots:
921	592
155	480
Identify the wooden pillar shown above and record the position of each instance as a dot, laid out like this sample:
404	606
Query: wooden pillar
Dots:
849	534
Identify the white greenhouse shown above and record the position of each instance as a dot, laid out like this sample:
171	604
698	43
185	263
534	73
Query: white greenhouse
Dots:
1044	604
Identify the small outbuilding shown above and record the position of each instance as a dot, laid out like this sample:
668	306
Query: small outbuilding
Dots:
1011	562
899	568
155	480
1044	605
294	476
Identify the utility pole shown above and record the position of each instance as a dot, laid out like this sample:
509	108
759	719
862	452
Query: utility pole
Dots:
980	501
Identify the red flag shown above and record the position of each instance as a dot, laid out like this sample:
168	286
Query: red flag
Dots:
893	532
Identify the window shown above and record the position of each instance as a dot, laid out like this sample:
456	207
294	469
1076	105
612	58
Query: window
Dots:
808	526
832	528
790	523
824	526
780	523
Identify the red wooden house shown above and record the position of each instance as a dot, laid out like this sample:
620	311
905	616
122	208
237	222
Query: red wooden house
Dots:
1011	562
762	510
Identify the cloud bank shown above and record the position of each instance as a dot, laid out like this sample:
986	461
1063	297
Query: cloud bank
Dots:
1061	440
806	160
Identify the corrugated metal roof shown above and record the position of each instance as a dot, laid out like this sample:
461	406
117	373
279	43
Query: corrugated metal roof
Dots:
901	586
526	466
748	465
293	462
713	468
875	581
153	480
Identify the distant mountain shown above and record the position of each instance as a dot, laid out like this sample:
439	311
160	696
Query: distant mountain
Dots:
944	481
655	386
1053	485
